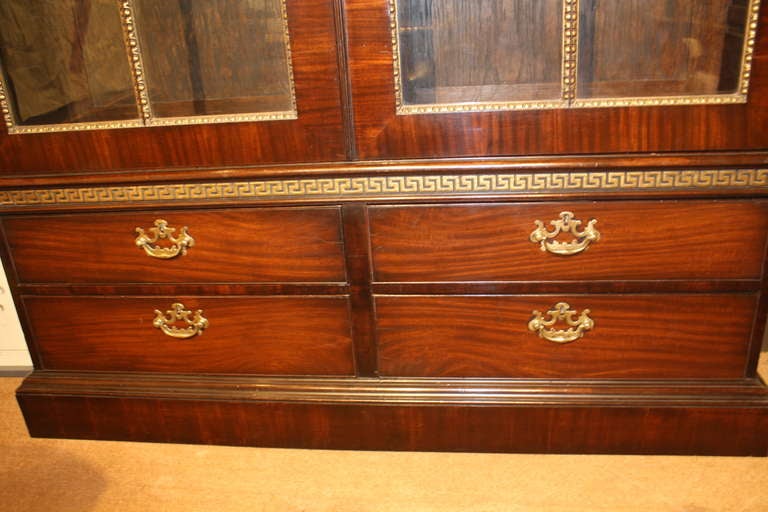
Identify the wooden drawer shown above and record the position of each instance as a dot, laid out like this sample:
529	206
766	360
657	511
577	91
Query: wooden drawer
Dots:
634	336
637	241
236	245
255	335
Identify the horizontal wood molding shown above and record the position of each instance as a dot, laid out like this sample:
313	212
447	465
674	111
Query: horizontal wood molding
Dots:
709	160
534	287
379	187
360	390
217	289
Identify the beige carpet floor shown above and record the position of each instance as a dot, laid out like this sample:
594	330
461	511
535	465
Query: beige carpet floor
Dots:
52	475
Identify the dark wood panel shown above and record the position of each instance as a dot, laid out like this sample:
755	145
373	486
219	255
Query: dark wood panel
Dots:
529	287
274	335
357	251
381	133
239	245
638	240
727	159
253	289
690	429
634	336
317	134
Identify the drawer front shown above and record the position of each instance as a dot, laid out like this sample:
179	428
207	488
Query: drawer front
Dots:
637	240
633	336
254	335
237	245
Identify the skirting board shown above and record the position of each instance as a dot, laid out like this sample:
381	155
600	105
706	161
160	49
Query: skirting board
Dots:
692	418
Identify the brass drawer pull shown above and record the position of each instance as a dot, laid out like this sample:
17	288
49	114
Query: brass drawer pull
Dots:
566	224
178	313
562	311
161	231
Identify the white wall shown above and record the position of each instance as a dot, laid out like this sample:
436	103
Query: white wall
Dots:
13	349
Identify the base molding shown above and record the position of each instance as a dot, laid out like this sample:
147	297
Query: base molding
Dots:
525	416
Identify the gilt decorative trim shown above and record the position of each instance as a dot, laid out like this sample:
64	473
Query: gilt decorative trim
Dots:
5	105
659	101
749	45
570	49
135	57
393	187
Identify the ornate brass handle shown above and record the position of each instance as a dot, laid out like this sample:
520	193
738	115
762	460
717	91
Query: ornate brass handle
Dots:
566	224
161	231
178	313
562	311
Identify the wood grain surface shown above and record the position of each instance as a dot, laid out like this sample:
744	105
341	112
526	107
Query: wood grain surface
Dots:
634	336
639	240
237	245
693	429
255	335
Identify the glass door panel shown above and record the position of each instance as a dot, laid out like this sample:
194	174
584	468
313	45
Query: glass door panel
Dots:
65	62
454	55
661	49
216	58
485	55
91	64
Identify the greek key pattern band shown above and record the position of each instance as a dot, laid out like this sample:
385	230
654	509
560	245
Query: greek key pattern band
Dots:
377	187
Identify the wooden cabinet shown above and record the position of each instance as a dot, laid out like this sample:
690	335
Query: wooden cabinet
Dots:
261	232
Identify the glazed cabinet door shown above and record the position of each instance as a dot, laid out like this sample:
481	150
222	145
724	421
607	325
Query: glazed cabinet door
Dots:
435	78
127	84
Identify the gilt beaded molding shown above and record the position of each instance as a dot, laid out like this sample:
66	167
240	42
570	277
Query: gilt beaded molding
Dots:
394	187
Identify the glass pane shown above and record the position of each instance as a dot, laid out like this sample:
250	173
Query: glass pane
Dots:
65	61
214	57
455	51
645	48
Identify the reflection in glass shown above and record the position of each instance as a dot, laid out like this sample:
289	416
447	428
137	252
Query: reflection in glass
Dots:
65	61
650	48
214	57
483	51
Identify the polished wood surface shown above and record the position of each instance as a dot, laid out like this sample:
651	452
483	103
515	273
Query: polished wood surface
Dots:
696	419
237	245
317	134
726	159
256	335
380	133
638	240
634	336
357	250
